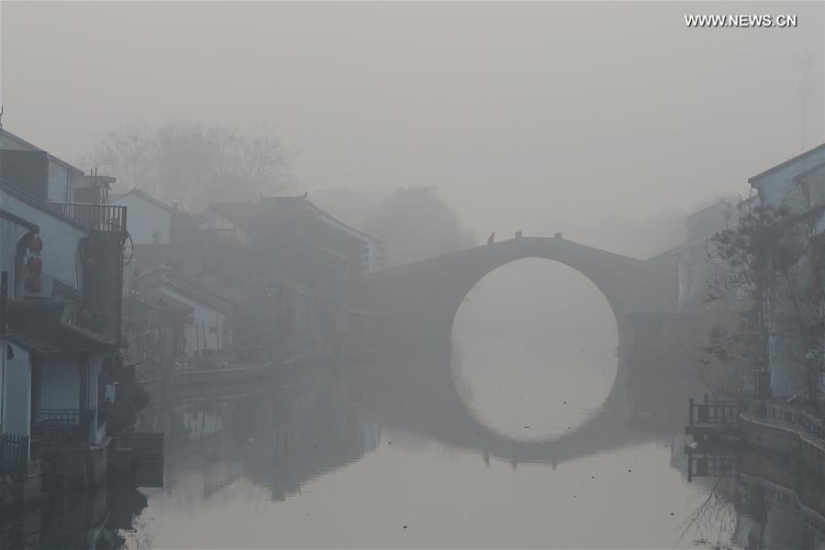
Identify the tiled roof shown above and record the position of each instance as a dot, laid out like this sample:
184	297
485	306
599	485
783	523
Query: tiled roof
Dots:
33	343
242	213
145	196
209	295
39	204
34	147
45	324
152	299
788	162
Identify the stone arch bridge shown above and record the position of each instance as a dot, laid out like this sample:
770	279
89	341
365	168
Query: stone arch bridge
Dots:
419	302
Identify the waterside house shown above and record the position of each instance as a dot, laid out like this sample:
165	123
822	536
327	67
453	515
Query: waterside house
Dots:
62	319
796	355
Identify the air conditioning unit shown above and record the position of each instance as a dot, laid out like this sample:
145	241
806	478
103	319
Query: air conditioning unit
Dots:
44	291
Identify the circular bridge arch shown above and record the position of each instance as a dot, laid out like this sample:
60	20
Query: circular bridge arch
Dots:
419	301
452	306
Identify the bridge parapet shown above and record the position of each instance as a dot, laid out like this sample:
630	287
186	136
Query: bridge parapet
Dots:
420	300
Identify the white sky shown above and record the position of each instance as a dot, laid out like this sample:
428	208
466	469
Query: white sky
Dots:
540	116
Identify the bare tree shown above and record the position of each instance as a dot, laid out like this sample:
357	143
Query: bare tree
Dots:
769	272
195	163
415	224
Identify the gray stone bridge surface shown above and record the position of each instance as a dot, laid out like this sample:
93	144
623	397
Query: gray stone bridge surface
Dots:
419	302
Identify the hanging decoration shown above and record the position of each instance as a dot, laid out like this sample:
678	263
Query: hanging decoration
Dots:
85	316
111	363
33	282
35	243
35	265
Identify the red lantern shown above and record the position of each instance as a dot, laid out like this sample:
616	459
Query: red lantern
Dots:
33	284
85	316
109	365
34	264
117	360
88	248
89	264
35	243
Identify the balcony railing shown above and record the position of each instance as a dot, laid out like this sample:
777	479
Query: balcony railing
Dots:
713	412
55	427
14	453
98	217
58	417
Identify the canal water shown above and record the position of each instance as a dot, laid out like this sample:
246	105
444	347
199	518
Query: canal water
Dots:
335	458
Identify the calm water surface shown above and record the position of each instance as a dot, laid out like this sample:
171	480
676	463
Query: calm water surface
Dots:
449	450
336	467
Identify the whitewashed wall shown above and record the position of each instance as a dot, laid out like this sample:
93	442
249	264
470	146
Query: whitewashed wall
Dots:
225	229
96	434
10	235
206	317
144	219
59	183
778	187
60	384
16	391
60	240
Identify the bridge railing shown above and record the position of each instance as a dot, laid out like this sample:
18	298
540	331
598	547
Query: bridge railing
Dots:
712	412
805	420
710	462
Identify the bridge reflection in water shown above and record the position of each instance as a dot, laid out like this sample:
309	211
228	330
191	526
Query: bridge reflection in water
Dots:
420	303
223	453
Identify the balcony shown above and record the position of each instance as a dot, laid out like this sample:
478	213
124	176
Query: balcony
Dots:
58	417
97	217
61	427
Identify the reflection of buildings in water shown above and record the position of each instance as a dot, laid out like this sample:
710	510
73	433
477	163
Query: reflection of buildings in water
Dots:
309	425
678	456
764	503
317	428
220	474
772	516
94	519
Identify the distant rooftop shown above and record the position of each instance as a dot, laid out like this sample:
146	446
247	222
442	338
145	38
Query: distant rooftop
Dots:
145	196
243	213
818	149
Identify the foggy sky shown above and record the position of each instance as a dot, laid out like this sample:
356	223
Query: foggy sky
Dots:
536	116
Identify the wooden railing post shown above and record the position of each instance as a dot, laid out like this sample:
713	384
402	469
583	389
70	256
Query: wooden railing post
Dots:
690	412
